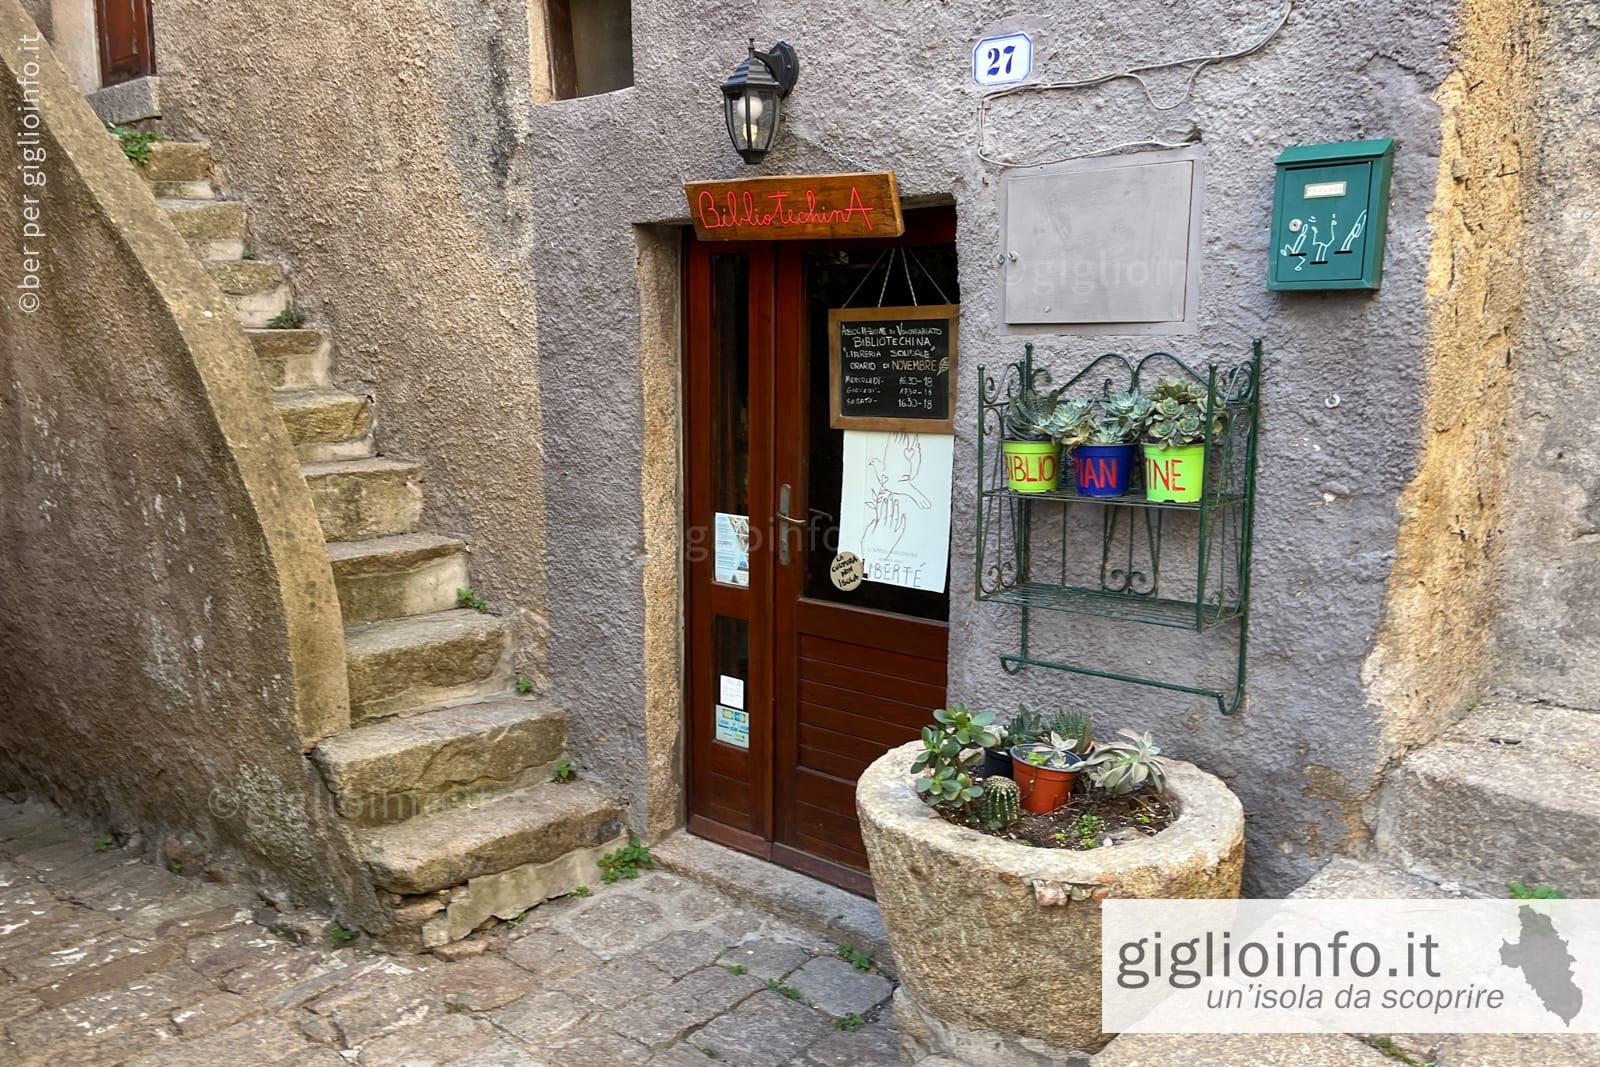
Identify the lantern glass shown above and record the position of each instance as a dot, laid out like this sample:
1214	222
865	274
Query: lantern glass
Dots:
752	115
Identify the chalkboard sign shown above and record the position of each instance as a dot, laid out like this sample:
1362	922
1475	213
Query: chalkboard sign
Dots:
891	368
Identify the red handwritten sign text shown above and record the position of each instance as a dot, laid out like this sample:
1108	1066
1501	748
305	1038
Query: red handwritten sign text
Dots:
790	208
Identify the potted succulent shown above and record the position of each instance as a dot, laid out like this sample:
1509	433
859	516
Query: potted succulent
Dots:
1105	442
1076	727
944	769
1044	772
1035	424
1024	726
1174	441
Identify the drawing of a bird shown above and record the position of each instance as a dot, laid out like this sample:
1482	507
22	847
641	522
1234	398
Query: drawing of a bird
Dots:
896	471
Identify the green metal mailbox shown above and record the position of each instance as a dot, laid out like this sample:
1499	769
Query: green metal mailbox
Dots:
1330	213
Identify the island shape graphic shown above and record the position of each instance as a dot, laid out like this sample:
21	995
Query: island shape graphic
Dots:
1544	958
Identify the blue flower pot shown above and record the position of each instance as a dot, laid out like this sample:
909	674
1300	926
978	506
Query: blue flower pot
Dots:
1103	470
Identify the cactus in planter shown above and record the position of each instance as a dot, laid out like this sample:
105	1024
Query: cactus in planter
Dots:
1000	805
1122	767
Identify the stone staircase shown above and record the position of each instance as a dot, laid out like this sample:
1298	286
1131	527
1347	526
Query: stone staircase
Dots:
444	776
1509	793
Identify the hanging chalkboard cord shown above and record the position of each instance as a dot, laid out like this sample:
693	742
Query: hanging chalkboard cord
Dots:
888	272
926	274
905	261
851	298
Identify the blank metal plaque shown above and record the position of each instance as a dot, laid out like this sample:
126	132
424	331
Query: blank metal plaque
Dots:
1101	242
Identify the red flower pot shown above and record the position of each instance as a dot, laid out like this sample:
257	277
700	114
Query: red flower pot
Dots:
1044	789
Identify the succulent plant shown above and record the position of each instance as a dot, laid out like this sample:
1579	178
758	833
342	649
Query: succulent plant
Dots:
1177	414
1076	728
1024	727
947	757
1000	805
1032	416
1029	415
1130	410
1113	420
1101	431
1054	752
1122	767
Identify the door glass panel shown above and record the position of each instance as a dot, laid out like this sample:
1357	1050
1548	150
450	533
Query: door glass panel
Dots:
831	278
730	661
730	431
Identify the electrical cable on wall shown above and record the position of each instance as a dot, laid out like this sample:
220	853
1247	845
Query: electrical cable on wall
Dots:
1197	63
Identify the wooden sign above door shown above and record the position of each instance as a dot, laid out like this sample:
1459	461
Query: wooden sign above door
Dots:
799	208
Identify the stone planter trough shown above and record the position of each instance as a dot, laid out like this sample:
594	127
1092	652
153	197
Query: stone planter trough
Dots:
998	944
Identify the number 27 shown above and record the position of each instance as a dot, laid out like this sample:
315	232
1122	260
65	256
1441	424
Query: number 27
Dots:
995	55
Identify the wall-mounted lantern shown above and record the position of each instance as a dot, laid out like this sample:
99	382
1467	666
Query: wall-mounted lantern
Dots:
752	98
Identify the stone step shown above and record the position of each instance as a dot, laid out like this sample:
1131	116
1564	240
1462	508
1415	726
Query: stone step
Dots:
246	277
215	229
391	577
293	359
327	425
177	161
1510	793
363	498
529	826
1350	879
256	287
443	657
194	189
440	760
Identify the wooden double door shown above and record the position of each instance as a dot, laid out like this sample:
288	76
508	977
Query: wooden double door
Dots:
794	686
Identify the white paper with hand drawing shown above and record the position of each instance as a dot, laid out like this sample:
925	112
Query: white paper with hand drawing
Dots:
894	508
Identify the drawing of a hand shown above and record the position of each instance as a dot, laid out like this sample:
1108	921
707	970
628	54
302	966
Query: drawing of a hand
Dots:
884	530
905	468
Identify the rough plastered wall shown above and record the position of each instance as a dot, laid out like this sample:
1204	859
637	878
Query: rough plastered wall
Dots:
1548	642
169	632
376	148
891	88
1433	652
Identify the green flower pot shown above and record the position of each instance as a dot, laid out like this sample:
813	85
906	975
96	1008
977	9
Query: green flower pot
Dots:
1174	475
1032	466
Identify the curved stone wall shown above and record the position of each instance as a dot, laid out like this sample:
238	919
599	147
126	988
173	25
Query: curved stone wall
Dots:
170	640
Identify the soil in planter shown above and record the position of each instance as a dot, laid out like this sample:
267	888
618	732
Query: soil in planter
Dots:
1092	818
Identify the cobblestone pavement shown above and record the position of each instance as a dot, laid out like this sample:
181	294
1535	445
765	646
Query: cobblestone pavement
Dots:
108	959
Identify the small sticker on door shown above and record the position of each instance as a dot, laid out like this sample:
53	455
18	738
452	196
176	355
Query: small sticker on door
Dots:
733	692
846	571
733	726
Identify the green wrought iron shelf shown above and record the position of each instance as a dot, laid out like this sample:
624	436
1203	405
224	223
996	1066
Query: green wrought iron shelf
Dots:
1026	553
